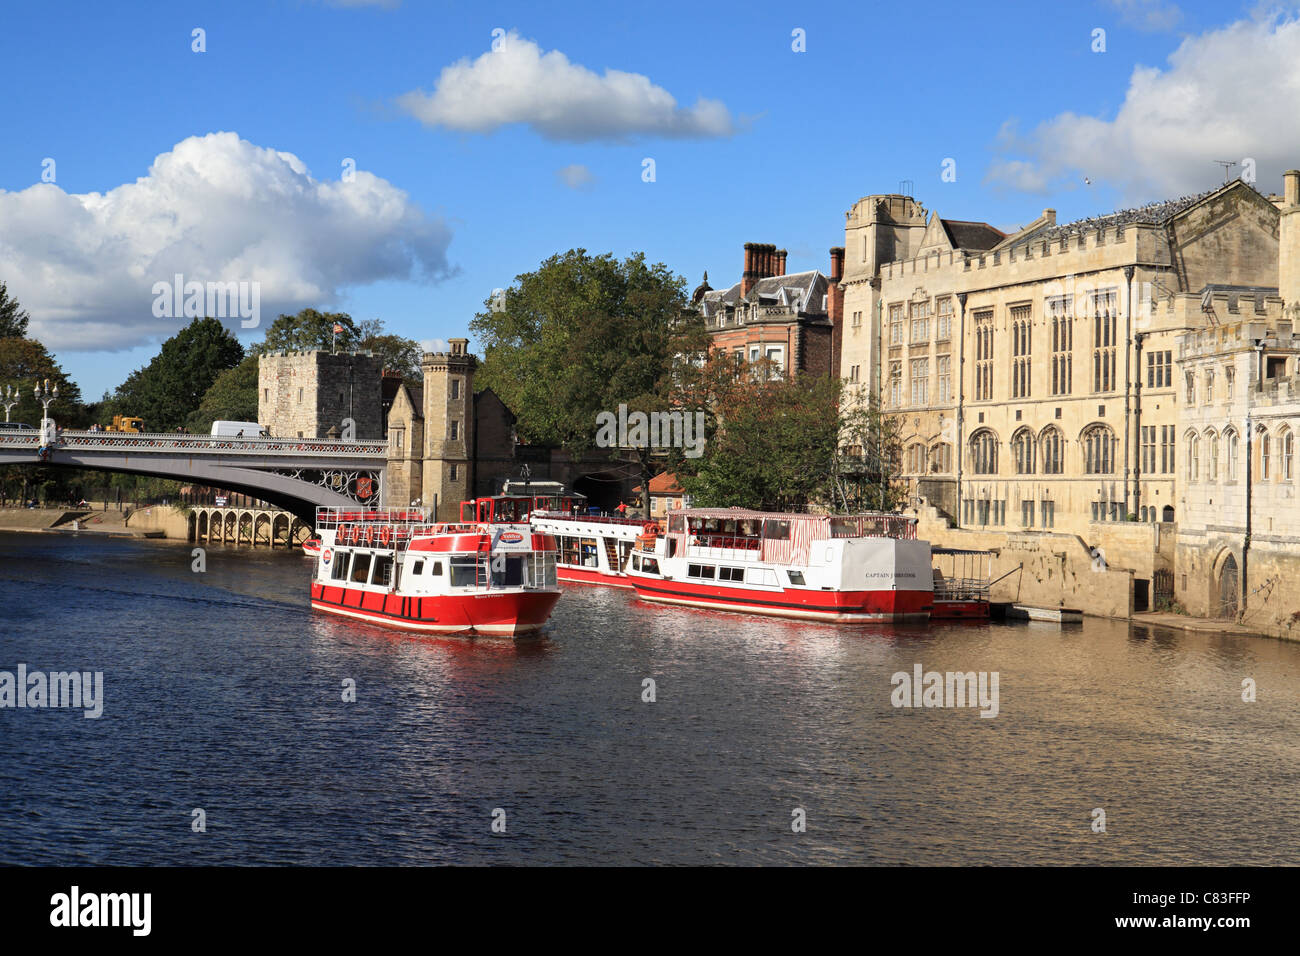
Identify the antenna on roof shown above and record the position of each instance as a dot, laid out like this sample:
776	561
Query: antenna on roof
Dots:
905	187
1227	164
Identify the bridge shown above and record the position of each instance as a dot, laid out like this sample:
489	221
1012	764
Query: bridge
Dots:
296	474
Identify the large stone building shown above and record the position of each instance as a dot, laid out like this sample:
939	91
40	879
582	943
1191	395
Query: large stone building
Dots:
1031	374
1238	538
789	319
316	394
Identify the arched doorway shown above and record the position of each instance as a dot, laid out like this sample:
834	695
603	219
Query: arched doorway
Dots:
1229	588
1167	513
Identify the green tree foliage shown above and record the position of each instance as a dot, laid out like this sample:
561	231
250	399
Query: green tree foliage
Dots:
232	397
172	386
310	329
398	354
13	318
24	362
581	335
785	443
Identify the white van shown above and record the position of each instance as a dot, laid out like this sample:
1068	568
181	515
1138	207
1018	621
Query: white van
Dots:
239	430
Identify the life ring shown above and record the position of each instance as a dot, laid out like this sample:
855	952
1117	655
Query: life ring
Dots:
385	535
370	534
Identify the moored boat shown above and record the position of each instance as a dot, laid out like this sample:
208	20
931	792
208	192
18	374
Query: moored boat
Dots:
401	569
311	547
836	568
961	584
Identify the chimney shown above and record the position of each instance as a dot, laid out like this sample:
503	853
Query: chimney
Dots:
1291	187
837	264
780	262
1288	241
750	275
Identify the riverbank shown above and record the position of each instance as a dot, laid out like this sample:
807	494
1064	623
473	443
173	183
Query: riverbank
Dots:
111	523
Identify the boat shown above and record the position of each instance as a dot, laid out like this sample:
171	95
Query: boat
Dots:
962	579
402	569
311	547
593	548
844	569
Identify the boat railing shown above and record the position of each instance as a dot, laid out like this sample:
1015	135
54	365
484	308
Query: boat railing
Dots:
961	589
593	519
738	550
404	517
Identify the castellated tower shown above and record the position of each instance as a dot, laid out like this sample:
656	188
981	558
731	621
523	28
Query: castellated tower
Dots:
1289	244
448	428
312	394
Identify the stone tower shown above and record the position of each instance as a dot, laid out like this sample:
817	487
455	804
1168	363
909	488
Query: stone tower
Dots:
448	428
314	394
1289	244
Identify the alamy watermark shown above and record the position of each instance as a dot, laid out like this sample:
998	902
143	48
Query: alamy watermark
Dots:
653	430
923	688
38	690
214	300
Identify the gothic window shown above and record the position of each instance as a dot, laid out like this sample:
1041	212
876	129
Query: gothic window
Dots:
983	355
1098	450
1105	326
1022	448
1052	456
984	452
1062	363
1021	349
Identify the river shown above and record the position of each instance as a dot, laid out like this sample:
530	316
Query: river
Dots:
223	692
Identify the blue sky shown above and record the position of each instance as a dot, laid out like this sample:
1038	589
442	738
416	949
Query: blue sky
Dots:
461	188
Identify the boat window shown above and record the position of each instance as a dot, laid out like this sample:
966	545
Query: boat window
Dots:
464	571
796	578
568	549
699	571
436	568
650	566
418	567
590	559
383	573
731	574
509	576
360	568
636	562
764	576
776	530
676	524
340	570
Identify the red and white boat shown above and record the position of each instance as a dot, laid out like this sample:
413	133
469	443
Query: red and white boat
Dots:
399	568
311	547
593	549
838	568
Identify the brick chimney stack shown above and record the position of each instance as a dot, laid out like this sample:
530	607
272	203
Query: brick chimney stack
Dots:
837	263
780	262
750	275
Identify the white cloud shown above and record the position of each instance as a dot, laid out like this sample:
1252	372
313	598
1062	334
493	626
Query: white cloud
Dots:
559	100
1228	94
215	208
575	176
1151	15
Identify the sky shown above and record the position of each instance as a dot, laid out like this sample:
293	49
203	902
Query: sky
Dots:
400	159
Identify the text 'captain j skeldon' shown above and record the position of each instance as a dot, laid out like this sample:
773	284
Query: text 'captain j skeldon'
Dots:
951	689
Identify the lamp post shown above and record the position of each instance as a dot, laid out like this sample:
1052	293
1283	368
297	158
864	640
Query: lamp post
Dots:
9	398
45	395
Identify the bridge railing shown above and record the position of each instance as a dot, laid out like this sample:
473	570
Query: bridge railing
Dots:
170	442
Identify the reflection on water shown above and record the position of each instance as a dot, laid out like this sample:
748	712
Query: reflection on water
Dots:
225	691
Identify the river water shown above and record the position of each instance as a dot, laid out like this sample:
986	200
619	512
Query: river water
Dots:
223	691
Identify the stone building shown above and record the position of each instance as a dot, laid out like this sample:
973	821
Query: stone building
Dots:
787	318
1032	374
313	394
1238	536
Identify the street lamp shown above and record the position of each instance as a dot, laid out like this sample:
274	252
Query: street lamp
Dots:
45	396
9	398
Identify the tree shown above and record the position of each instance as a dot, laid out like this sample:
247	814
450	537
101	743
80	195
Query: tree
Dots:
308	330
782	443
397	354
23	363
170	388
231	397
581	336
13	318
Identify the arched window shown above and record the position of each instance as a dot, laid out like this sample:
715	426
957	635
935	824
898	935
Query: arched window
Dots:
1051	452
1212	446
941	459
916	459
1230	445
1193	458
1098	450
1265	455
984	452
1022	447
1288	455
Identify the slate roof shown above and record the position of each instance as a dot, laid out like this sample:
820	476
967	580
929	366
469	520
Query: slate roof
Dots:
976	236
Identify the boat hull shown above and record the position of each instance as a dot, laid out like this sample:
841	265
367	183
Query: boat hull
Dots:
836	607
498	613
574	575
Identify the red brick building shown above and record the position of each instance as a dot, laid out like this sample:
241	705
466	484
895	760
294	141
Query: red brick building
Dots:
792	319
